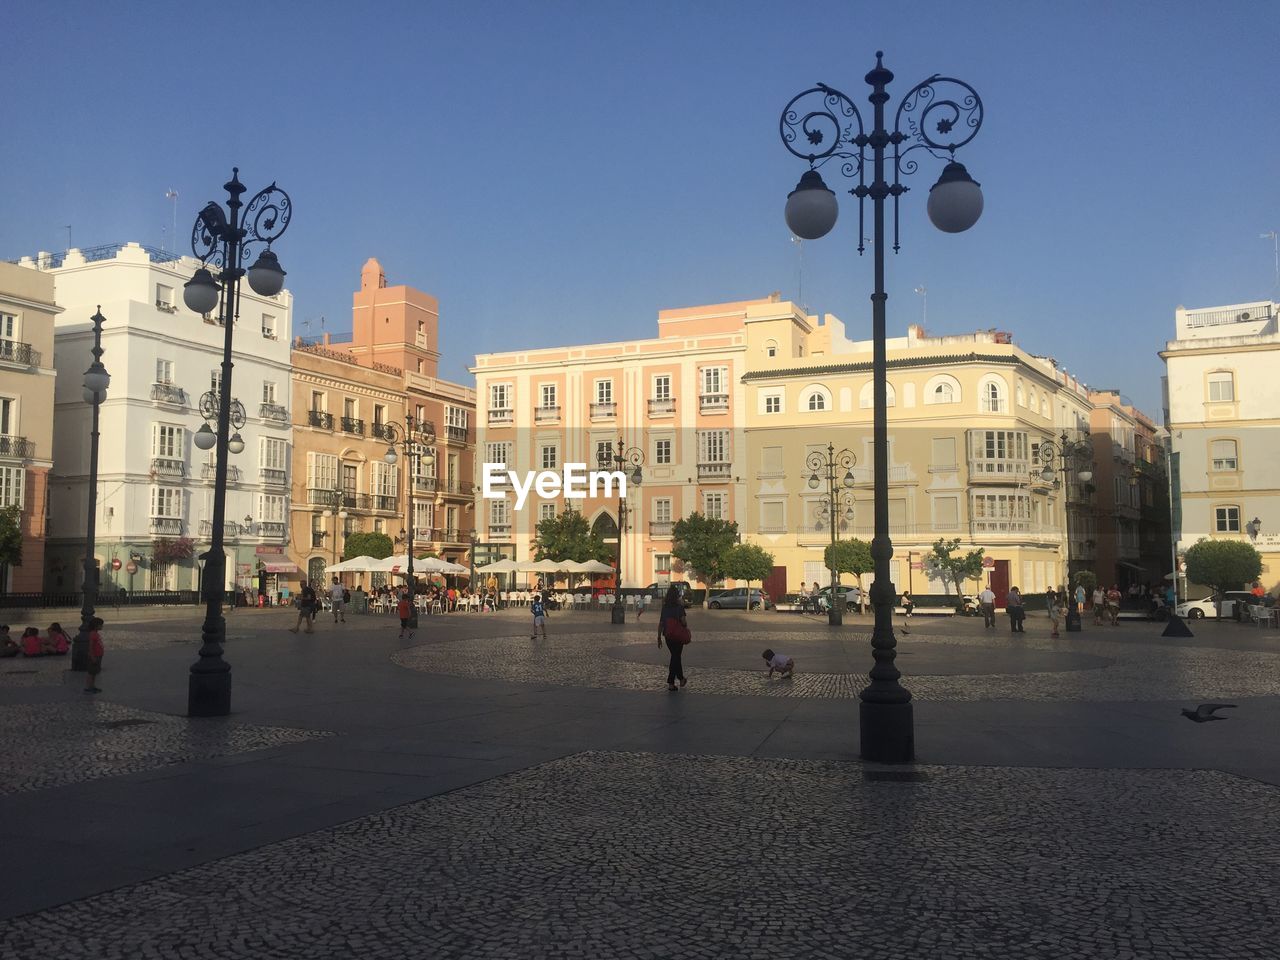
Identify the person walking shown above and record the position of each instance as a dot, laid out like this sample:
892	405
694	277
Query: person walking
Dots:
1053	601
307	603
674	628
539	611
987	601
1099	604
1017	612
337	600
1113	604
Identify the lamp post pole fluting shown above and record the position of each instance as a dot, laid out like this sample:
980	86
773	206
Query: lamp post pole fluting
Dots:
225	239
826	467
940	114
415	438
619	459
96	381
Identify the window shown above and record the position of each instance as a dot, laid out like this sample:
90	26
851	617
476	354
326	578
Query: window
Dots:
215	382
662	510
1224	455
166	441
662	387
322	471
1022	395
548	392
269	326
164	371
662	566
499	396
455	417
317	530
164	297
713	380
382	479
817	401
604	453
944	393
348	408
546	511
662	451
273	453
713	446
8	417
771	348
499	513
1226	519
271	509
1001	507
999	445
604	391
991	393
12	484
420	414
319	400
8	326
1222	387
773	403
166	502
713	505
423	515
550	456
772	516
943	456
497	452
269	391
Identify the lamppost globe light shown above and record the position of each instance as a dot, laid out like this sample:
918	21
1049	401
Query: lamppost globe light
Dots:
96	378
90	397
955	201
1085	476
205	438
236	443
813	481
248	519
390	455
848	478
200	293
266	276
811	209
342	514
636	477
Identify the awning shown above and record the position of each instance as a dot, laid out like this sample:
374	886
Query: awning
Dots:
1131	566
281	567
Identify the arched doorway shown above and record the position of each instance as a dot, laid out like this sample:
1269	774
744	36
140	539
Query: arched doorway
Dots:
606	528
315	570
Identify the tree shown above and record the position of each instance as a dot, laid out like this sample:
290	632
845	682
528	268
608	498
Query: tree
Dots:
167	550
11	537
1223	565
747	561
1087	579
944	559
701	543
569	537
367	544
849	556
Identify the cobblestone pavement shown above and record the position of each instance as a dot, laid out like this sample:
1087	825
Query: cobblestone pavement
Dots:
609	855
1128	670
51	744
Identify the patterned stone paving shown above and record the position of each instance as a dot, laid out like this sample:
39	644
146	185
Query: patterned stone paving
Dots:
1133	671
608	855
51	744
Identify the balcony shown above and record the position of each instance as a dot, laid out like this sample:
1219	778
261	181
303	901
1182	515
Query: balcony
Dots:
273	477
168	467
274	411
166	527
424	534
455	433
661	529
209	472
386	503
320	418
13	351
317	537
271	530
353	425
1011	527
499	531
866	476
500	416
168	393
338	499
457	488
379	430
604	411
546	414
164	306
715	471
19	447
425	484
713	403
450	535
998	468
666	407
229	529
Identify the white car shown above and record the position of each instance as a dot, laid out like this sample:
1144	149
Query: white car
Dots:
1207	607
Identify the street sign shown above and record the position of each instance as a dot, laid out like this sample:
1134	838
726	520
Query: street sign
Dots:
988	562
918	566
131	567
115	563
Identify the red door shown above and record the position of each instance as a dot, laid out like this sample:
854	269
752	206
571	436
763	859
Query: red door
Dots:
1000	581
776	584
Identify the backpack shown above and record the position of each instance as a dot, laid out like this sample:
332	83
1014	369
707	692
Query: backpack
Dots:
346	596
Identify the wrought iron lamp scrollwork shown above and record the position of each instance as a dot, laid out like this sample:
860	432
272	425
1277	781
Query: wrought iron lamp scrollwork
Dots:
628	461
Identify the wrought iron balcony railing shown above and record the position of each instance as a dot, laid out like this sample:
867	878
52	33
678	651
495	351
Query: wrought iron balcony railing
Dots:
166	527
424	484
209	471
274	477
271	530
274	411
14	351
662	408
168	393
353	425
379	431
320	418
661	528
168	467
456	434
21	447
500	415
386	503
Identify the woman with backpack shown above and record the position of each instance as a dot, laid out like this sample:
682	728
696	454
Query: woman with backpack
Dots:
673	628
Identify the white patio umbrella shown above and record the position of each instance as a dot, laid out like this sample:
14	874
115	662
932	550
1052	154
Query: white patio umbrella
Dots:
436	565
595	566
354	565
498	566
543	566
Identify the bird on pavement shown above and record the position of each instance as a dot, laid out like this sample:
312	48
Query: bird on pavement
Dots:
1205	712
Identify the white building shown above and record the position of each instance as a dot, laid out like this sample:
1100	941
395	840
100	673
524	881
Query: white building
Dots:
1222	409
155	485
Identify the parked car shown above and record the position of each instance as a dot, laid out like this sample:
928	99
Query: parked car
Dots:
736	599
1207	606
850	594
657	592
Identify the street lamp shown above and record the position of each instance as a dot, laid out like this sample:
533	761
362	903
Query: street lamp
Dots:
96	381
836	510
619	459
1067	456
828	125
225	239
417	439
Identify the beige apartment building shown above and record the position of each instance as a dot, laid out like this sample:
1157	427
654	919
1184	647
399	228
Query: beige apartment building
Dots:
27	377
347	395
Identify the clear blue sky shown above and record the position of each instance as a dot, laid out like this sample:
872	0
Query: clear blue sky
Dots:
558	172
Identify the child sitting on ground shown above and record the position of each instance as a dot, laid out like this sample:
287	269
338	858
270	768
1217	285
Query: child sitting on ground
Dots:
8	646
780	662
32	645
58	642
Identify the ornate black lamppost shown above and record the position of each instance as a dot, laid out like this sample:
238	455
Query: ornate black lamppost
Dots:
620	458
96	381
836	471
1068	456
417	439
817	125
226	239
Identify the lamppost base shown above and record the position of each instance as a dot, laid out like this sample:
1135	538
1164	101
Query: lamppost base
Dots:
619	613
887	732
79	655
209	694
834	617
